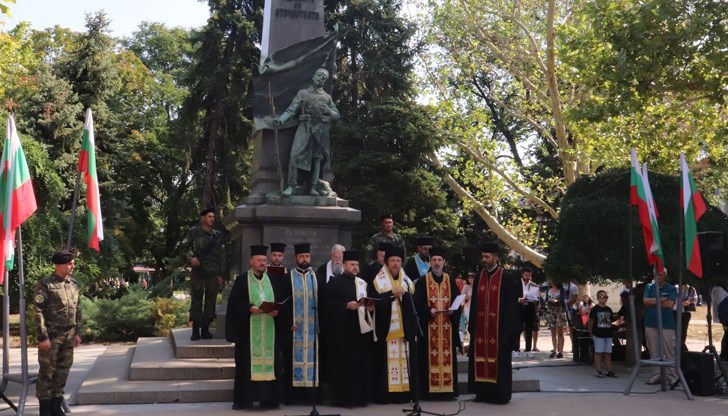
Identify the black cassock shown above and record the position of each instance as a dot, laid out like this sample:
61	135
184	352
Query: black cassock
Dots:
423	311
351	367
237	330
369	272
411	270
380	375
508	326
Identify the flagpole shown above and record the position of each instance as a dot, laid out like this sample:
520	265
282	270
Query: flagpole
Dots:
23	328
74	205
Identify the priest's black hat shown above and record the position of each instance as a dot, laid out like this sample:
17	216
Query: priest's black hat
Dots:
489	247
63	256
437	251
384	247
258	250
301	248
425	240
394	251
351	255
277	247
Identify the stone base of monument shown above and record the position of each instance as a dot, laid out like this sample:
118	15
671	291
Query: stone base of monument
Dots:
175	370
319	221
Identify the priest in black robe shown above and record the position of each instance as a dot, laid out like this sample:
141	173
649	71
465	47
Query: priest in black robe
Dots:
370	270
418	265
351	324
248	387
437	349
396	326
494	321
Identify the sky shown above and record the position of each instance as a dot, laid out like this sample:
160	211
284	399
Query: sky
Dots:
125	15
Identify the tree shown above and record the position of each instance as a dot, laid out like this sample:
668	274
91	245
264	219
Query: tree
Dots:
378	144
514	84
597	223
218	108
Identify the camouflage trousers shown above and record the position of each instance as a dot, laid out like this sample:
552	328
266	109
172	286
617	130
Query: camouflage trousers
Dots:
55	364
203	294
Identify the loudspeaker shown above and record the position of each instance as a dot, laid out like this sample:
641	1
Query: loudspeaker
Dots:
698	370
713	254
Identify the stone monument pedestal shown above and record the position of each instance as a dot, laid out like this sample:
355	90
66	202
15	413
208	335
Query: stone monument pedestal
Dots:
319	221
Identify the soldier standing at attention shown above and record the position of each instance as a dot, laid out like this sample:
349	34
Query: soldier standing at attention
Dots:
58	328
204	252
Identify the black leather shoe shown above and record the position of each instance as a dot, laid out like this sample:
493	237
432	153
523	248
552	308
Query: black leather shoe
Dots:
206	334
57	406
195	333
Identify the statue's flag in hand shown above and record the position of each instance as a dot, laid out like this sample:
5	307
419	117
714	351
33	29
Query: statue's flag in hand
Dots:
16	191
87	166
693	208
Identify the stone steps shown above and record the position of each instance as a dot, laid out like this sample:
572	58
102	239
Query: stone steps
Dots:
108	383
174	369
154	359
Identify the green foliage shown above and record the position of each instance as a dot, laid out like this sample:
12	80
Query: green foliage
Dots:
131	316
593	236
168	313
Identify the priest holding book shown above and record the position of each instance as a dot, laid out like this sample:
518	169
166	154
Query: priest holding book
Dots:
350	309
258	371
435	293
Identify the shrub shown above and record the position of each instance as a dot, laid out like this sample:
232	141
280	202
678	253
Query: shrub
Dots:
168	313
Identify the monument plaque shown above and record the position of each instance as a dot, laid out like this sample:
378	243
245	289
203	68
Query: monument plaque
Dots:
287	22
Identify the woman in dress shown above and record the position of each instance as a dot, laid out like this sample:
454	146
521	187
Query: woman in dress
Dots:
556	319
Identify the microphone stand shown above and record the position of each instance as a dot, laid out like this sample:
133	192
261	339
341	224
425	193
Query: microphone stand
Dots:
710	348
416	408
314	291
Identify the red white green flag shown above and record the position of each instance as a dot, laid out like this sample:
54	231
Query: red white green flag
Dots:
693	208
87	165
17	199
641	196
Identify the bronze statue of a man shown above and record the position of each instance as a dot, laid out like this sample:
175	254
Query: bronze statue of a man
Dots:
310	149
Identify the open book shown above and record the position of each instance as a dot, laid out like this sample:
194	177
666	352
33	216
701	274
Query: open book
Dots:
455	303
268	307
367	301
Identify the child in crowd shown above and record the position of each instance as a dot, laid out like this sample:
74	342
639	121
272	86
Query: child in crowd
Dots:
600	328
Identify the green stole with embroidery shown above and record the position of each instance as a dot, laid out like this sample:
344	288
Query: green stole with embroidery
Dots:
262	330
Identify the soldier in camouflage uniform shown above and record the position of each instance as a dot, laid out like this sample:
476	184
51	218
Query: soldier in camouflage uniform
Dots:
385	235
58	327
203	249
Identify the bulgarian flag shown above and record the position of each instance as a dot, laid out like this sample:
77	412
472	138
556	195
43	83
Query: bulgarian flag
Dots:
641	196
16	191
693	208
87	166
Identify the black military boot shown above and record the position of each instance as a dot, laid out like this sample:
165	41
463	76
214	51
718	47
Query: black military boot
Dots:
206	334
195	333
57	406
45	407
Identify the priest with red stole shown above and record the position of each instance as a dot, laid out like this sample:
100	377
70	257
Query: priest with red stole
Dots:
435	292
493	323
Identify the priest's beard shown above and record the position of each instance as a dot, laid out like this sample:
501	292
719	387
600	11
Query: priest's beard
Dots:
337	268
304	265
437	271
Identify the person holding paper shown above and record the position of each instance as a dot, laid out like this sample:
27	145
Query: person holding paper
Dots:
300	343
258	371
527	305
435	294
352	325
396	326
493	322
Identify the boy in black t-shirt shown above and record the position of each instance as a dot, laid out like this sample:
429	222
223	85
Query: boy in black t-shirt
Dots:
600	328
